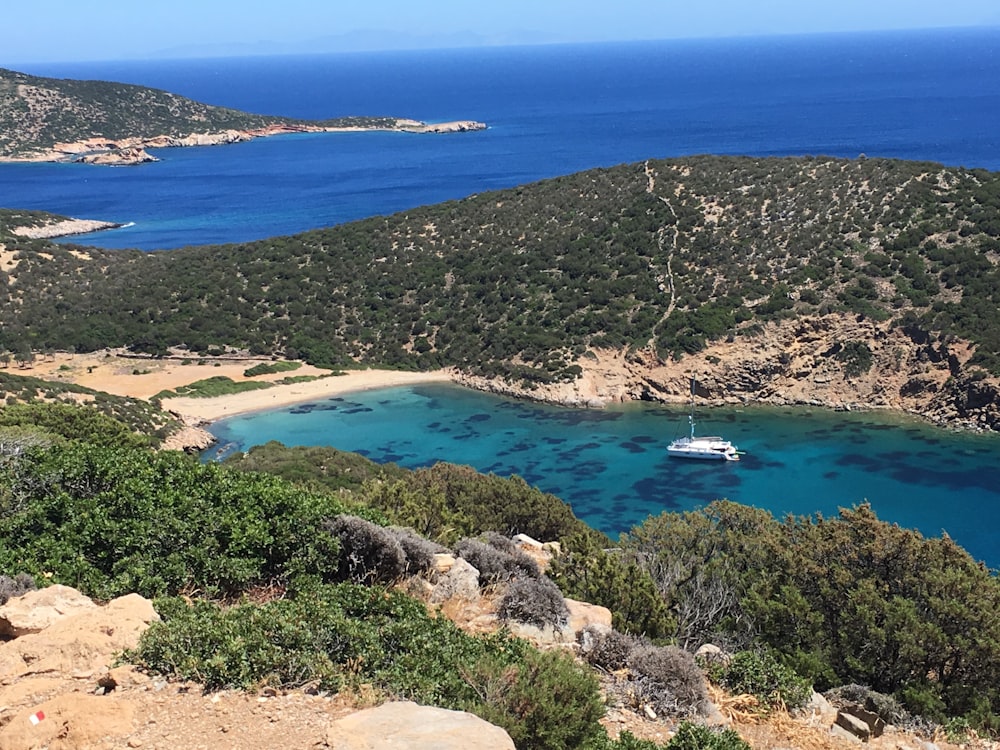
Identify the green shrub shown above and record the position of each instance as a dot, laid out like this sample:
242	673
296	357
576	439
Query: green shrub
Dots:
349	635
762	675
546	701
587	572
697	737
112	521
269	368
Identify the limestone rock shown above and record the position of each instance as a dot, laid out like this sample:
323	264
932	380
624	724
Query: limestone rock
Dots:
118	157
68	722
443	562
460	582
37	610
523	540
854	725
407	726
82	644
874	722
582	615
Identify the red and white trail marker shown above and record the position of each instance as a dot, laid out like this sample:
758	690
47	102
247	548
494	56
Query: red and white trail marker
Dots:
36	717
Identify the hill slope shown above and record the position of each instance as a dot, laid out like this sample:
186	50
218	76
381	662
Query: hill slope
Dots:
895	263
53	118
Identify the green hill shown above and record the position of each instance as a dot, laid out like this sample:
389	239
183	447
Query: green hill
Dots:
36	113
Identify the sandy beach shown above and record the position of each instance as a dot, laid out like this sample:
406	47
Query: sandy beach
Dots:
113	371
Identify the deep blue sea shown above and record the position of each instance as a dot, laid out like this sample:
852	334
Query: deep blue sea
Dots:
551	111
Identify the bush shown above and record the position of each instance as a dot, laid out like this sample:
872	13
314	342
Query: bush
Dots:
608	650
535	601
350	635
762	675
368	553
674	683
697	737
112	521
547	701
587	572
419	552
495	565
11	588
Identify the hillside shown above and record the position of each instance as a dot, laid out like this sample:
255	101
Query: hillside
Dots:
46	119
863	282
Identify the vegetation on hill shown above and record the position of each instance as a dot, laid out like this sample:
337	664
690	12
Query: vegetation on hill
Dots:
519	283
36	113
843	600
848	600
31	401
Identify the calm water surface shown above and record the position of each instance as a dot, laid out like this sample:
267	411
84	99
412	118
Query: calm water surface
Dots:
611	466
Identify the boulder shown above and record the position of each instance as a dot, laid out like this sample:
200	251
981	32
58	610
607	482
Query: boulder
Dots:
854	725
407	726
36	610
460	582
80	645
875	723
582	615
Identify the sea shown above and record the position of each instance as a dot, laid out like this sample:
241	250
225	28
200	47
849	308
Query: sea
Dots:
553	110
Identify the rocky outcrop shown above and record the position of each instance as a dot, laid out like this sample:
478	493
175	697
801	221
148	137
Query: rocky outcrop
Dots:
189	439
63	228
800	362
123	157
131	151
407	725
36	610
455	126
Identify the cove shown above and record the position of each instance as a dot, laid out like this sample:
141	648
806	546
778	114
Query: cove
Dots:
611	465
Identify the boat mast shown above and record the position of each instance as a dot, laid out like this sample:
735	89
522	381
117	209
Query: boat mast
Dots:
691	415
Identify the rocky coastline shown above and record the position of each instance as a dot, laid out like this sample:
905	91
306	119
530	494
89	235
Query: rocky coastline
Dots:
132	151
790	363
64	228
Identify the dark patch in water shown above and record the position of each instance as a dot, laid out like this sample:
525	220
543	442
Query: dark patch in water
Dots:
358	410
632	447
643	439
831	475
553	441
479	418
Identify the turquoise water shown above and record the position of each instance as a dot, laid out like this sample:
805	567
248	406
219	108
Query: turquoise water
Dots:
611	466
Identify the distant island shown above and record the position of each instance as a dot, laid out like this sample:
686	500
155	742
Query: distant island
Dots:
101	122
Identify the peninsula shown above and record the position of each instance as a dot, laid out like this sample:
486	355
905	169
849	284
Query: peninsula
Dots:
100	122
847	284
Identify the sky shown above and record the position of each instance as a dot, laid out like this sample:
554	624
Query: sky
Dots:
87	30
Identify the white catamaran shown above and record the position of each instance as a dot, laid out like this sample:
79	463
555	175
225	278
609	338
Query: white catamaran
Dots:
708	448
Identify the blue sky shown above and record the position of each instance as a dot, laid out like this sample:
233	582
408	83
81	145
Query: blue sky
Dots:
78	30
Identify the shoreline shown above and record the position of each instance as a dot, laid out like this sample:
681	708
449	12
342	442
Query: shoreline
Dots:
132	151
200	412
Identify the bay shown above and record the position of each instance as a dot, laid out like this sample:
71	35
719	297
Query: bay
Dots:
611	465
551	110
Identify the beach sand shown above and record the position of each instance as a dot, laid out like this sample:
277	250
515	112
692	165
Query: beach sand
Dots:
113	372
